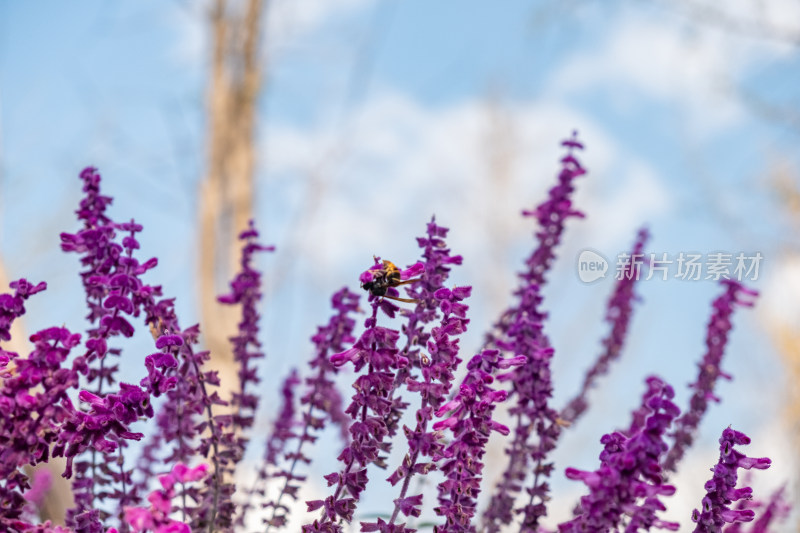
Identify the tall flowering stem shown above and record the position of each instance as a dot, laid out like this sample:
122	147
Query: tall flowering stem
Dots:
771	512
322	394
470	422
533	387
246	292
775	510
113	293
719	326
437	261
433	387
33	399
210	505
520	332
376	350
628	485
283	431
551	216
322	402
34	403
721	489
186	413
618	314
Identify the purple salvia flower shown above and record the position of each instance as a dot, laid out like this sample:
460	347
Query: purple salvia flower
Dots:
470	422
111	283
436	382
283	431
323	395
246	291
215	510
176	426
174	420
551	215
533	387
190	398
520	332
322	400
184	418
434	273
618	314
47	527
376	350
639	416
156	518
104	427
34	402
41	483
12	306
719	327
721	489
629	481
775	510
113	290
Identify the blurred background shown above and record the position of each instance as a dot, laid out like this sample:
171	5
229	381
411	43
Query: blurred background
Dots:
342	126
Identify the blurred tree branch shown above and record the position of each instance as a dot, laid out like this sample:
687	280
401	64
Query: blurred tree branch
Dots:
711	14
226	193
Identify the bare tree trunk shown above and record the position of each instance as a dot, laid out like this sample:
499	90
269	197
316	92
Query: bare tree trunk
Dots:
226	193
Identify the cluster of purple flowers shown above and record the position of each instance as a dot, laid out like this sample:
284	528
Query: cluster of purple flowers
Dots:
64	399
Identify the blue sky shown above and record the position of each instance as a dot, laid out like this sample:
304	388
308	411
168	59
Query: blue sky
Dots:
379	114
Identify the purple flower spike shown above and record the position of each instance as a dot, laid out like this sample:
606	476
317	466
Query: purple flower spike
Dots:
719	326
721	489
436	382
777	510
519	332
628	484
433	273
537	425
34	402
156	517
246	292
769	513
618	314
114	294
469	419
376	350
12	306
551	215
322	401
283	431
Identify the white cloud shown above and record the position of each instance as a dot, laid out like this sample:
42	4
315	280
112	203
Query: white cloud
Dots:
401	162
296	17
664	57
287	20
781	296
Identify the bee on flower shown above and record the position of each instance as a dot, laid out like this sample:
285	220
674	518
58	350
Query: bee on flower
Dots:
384	275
